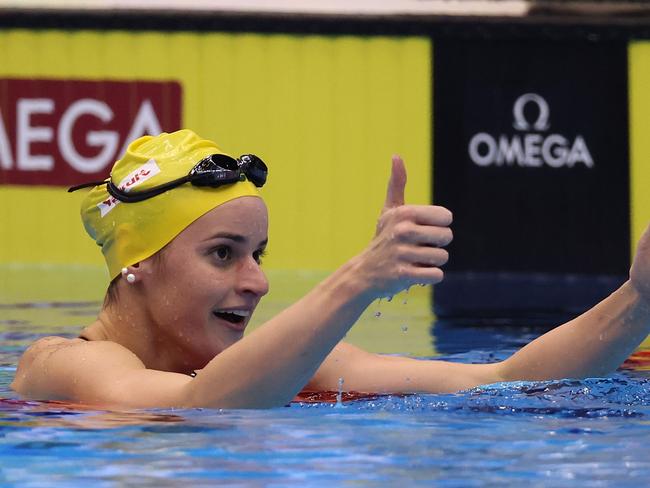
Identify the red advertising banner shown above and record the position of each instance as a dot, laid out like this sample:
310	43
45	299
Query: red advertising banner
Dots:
67	132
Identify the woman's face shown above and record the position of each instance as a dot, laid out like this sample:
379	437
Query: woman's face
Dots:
207	282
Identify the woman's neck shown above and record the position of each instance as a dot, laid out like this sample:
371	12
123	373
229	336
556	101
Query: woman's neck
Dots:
127	323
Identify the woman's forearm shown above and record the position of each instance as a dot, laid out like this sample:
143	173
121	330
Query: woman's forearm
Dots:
593	344
273	363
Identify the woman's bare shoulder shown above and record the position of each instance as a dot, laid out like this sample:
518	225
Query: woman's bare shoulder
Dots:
54	364
45	347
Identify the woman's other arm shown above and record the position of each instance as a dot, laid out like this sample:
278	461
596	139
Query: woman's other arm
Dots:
593	344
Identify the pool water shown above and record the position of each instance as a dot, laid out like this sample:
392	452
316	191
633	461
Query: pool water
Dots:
594	432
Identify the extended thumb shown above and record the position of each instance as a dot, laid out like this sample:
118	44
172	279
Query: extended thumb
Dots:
396	184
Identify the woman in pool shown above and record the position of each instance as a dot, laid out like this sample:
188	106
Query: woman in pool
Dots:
183	228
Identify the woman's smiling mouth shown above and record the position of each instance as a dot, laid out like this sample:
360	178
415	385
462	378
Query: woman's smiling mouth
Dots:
236	318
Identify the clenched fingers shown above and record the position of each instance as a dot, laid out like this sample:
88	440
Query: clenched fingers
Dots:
425	275
424	214
423	235
425	256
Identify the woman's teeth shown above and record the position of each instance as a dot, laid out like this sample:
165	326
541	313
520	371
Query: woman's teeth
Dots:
234	316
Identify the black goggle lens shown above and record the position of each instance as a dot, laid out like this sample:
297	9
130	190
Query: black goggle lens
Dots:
220	169
254	169
216	162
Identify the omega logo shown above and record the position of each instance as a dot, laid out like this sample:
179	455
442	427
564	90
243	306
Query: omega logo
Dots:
106	141
58	132
529	148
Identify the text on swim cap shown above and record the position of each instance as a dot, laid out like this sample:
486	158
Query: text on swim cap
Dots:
133	179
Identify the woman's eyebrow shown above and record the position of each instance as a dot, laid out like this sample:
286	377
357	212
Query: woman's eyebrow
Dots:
235	237
226	235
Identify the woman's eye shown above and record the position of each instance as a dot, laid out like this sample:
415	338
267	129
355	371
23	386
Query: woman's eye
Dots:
223	253
258	255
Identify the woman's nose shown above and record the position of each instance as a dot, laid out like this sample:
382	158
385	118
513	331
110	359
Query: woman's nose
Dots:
252	279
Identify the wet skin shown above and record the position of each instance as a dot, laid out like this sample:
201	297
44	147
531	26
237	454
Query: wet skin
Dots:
188	306
184	298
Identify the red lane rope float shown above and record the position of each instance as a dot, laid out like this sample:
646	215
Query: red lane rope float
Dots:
638	361
331	396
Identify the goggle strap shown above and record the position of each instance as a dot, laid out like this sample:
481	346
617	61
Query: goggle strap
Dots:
87	185
126	197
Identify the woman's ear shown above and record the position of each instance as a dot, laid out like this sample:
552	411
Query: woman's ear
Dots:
144	267
148	267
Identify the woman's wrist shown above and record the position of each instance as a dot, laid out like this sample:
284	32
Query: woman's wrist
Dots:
351	283
641	300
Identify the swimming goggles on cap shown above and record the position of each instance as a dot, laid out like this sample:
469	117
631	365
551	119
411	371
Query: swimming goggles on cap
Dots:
215	170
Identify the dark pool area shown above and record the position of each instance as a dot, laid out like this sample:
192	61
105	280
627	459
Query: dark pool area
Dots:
592	432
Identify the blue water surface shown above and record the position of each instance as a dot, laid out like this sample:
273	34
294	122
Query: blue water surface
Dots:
594	432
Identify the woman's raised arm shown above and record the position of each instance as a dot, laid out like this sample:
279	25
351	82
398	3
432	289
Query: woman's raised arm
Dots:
273	363
269	366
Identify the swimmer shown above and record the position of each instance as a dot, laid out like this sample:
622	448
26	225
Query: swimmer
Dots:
183	230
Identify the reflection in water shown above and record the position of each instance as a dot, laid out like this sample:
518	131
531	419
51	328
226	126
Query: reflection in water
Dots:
73	415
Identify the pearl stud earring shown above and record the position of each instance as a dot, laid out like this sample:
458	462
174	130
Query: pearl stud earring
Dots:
130	277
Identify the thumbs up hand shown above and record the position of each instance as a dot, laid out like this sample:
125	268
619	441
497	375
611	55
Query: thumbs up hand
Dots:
407	247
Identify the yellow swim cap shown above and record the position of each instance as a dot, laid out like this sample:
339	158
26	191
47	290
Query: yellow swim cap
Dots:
131	232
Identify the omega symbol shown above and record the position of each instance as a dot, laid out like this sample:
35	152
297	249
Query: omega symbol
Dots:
521	123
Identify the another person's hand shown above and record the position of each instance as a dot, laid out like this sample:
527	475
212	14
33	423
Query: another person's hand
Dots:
407	247
640	271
